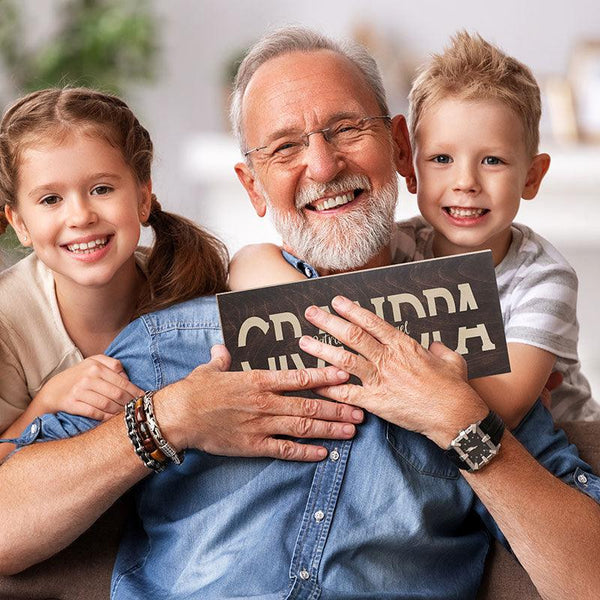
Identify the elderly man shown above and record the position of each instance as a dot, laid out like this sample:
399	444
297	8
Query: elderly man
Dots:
387	514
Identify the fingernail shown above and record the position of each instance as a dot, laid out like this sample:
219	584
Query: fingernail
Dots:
348	429
304	341
342	375
311	311
357	415
322	452
339	301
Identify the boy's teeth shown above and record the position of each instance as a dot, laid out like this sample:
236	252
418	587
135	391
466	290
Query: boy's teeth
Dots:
465	212
337	201
87	247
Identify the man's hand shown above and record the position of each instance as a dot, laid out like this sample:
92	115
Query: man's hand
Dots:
422	390
97	387
244	413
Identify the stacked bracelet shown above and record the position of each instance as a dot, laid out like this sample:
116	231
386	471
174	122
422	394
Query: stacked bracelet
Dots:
136	437
145	435
163	445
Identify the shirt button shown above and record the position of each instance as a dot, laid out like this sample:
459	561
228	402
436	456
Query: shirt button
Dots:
582	478
34	428
304	574
307	272
319	516
334	455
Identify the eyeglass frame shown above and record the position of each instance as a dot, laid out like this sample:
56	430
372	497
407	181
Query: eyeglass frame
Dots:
324	131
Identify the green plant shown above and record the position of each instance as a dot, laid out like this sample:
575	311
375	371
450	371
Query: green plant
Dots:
101	43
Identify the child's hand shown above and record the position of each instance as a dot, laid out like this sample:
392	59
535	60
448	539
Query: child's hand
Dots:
97	387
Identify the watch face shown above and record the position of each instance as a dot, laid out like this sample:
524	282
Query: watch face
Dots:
475	447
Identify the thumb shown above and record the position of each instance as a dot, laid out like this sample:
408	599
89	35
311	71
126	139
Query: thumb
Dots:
220	359
449	356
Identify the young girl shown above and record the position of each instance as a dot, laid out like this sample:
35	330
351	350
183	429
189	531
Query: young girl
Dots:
75	184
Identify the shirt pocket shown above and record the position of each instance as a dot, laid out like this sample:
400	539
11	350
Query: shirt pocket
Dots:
420	453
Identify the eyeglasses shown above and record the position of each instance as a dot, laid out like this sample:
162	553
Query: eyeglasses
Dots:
343	135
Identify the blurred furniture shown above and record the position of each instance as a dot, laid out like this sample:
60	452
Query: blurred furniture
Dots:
83	570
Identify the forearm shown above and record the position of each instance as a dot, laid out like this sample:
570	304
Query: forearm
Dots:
17	427
553	529
51	492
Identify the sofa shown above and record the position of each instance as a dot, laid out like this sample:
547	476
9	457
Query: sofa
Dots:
82	571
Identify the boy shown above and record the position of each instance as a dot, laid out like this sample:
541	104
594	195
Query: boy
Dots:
474	126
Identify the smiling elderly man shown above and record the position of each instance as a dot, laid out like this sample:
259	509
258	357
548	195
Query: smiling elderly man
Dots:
385	515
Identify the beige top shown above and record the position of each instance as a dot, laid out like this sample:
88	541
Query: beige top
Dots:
34	344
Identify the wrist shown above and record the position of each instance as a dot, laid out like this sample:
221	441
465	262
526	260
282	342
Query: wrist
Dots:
167	409
466	408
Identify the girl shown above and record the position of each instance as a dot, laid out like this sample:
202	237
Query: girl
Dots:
75	184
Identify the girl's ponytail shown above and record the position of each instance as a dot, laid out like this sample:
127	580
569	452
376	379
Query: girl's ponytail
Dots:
186	261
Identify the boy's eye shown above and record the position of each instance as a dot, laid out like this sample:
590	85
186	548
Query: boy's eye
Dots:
50	200
442	159
491	160
101	190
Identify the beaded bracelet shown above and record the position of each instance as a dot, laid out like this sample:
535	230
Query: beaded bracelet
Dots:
162	444
136	439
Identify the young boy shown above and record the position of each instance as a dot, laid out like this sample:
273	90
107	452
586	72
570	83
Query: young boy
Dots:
474	126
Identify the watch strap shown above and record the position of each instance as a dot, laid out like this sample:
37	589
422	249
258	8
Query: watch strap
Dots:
493	425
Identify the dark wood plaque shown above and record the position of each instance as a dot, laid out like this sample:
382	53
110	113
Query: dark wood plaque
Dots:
453	300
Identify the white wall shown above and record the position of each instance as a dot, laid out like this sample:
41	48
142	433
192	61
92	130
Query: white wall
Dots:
186	103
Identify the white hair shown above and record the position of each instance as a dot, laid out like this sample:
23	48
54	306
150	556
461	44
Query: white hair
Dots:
299	39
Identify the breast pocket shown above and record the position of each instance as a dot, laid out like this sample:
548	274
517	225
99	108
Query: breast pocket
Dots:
420	453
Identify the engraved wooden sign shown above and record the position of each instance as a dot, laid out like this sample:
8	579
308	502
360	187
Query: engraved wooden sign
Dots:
453	300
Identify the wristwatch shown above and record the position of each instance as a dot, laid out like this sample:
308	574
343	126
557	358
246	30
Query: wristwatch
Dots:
475	446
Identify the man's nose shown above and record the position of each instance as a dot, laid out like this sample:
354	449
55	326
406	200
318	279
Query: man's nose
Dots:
466	180
80	211
323	162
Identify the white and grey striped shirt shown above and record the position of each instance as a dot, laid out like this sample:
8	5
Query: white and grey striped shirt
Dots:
538	296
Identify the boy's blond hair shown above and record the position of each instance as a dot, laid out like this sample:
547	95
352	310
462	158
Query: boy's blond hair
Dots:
473	69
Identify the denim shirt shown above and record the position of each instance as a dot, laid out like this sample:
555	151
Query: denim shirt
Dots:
385	515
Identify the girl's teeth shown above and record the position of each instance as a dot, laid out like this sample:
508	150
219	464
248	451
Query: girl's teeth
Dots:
87	247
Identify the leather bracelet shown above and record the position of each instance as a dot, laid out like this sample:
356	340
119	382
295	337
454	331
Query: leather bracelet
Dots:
134	435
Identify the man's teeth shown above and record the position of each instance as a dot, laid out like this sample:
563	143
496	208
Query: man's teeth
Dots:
87	248
332	202
465	212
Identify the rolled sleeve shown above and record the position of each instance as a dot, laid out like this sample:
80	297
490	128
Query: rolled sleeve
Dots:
553	451
51	427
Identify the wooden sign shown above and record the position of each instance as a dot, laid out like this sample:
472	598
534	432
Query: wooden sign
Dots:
453	300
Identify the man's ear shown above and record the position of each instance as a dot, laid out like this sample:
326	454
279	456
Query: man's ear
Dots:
402	150
248	180
538	168
17	223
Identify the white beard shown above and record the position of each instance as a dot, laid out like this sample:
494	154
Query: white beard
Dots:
347	241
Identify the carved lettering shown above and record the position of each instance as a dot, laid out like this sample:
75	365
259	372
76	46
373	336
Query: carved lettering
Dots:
397	299
247	325
442	293
467	333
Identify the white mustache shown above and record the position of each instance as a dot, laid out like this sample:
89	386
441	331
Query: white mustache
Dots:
314	191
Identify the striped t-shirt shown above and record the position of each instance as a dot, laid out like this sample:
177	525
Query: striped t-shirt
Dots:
538	297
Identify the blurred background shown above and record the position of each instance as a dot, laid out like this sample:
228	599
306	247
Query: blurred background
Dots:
173	62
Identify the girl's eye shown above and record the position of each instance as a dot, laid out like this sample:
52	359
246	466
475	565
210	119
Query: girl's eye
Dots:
101	190
50	200
491	160
442	159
